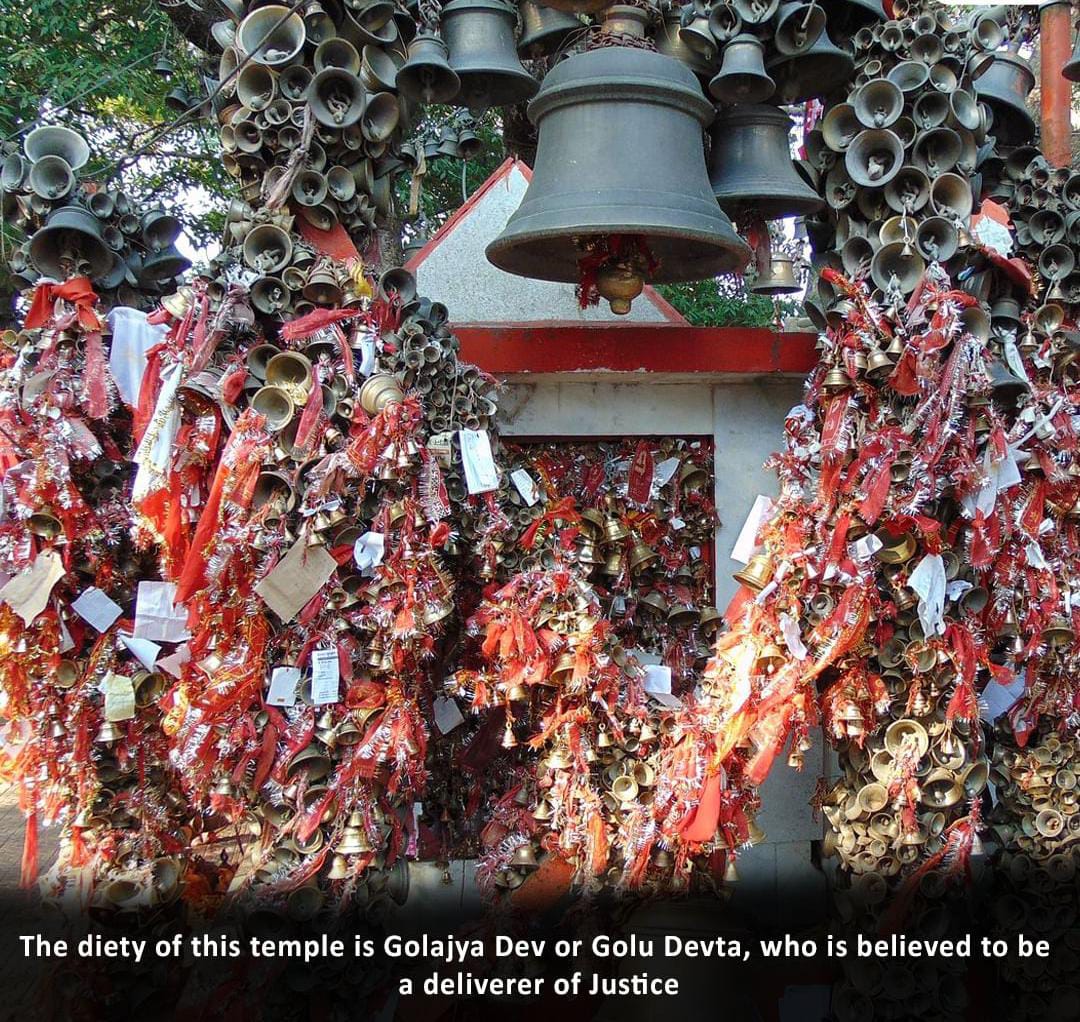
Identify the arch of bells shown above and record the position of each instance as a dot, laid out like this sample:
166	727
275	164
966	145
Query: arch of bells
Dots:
271	591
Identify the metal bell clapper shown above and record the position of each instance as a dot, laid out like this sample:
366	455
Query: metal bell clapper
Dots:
599	105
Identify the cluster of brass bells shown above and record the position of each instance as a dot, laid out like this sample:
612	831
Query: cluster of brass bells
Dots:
899	160
129	253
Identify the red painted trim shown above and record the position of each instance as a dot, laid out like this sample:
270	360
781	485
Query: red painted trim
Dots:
665	308
633	347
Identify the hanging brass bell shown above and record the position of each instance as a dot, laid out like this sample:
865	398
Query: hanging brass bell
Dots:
814	71
378	391
427	77
271	34
70	242
337	98
742	77
750	165
778	279
757	573
641	557
51	178
874	157
770	659
599	104
897	265
524	857
1004	88
798	26
479	35
878	103
543	29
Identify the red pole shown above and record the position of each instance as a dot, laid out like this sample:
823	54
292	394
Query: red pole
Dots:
1055	41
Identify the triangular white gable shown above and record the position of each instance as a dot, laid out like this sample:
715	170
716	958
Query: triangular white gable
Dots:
453	268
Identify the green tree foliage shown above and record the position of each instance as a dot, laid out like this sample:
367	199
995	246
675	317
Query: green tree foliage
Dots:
724	301
92	66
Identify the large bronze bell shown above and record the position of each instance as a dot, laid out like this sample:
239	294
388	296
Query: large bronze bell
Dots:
427	77
543	29
54	140
1071	70
750	165
814	71
742	77
69	242
599	106
1004	88
480	37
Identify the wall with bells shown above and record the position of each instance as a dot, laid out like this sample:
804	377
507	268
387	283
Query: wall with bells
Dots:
743	413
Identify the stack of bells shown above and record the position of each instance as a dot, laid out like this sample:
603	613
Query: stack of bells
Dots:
1035	823
339	86
560	802
657	594
900	160
117	798
75	227
419	358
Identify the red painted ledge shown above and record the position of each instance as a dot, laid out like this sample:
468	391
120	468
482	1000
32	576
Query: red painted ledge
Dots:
563	347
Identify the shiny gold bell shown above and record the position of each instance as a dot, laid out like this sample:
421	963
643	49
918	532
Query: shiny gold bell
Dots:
757	572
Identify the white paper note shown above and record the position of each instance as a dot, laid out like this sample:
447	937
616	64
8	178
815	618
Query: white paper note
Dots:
283	684
94	607
746	543
157	617
657	679
481	475
524	484
368	550
145	651
28	592
119	695
447	714
325	675
665	470
928	580
997	699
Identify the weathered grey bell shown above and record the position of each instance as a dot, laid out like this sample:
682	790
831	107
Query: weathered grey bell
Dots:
987	33
427	77
378	70
267	248
599	105
937	239
51	178
897	265
337	98
70	242
54	140
479	35
909	191
381	117
797	26
909	75
14	170
256	87
874	158
1071	70
337	52
778	279
742	77
1056	262
1004	385
543	29
1005	88
271	34
669	43
816	71
878	104
164	264
750	165
840	127
309	188
950	195
931	110
936	150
